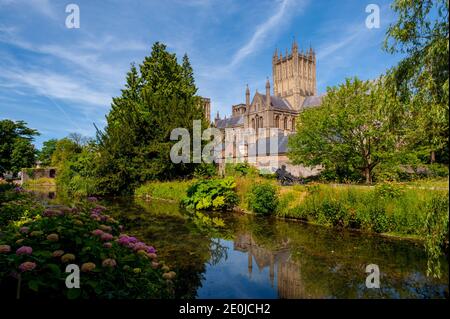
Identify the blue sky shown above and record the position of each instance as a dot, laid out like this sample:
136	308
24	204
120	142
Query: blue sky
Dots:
61	80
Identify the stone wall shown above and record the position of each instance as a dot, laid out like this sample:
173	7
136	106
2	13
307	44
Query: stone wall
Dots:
36	173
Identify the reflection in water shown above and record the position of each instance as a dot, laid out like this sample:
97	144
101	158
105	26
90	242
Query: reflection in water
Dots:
254	257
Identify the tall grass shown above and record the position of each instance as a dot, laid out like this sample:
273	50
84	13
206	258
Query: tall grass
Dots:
381	209
173	190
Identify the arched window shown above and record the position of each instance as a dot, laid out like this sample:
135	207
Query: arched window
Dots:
277	121
293	124
261	122
253	123
285	123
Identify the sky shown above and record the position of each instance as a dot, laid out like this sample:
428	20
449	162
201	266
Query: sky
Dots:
61	80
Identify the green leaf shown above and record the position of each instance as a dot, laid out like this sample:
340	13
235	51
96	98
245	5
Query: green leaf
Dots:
73	293
33	285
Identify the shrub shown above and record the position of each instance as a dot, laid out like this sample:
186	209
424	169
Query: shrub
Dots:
241	169
263	199
211	194
205	170
389	190
34	254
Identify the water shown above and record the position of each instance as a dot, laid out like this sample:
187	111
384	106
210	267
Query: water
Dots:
259	257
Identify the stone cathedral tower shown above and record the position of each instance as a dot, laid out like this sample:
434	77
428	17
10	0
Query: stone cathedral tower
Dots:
294	75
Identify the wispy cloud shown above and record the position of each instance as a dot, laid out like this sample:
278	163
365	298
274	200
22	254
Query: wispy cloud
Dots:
54	85
261	33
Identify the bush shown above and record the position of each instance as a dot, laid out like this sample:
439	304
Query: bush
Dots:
263	199
388	190
241	169
34	254
211	194
205	170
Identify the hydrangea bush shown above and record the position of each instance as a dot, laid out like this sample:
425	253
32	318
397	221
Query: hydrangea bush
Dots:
34	255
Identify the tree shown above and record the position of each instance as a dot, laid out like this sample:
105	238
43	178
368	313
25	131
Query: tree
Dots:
16	149
352	130
45	154
159	96
421	79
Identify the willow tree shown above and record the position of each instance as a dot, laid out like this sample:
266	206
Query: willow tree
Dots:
421	79
353	129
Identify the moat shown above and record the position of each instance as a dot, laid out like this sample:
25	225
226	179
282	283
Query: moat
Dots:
260	257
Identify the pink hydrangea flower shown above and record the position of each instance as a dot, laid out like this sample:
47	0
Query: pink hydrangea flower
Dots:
24	230
27	266
24	250
98	232
106	237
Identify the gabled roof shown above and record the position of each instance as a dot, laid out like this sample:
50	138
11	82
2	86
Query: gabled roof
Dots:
230	122
276	102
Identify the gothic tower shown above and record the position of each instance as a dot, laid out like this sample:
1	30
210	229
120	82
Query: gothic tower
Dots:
294	75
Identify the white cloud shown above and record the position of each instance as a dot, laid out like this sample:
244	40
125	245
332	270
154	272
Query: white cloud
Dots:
56	86
262	31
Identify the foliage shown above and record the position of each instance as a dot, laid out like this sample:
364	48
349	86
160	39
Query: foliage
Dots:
16	203
211	194
263	198
421	79
16	150
46	153
135	145
110	268
436	229
353	130
76	165
205	170
240	169
387	208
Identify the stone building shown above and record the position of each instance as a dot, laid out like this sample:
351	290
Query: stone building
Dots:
206	105
272	116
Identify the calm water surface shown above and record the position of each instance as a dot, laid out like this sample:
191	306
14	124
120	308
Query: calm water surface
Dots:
254	257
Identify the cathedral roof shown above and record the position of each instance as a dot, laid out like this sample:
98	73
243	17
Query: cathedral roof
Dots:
230	122
276	102
311	101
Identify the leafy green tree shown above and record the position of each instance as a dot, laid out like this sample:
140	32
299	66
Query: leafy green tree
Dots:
45	154
421	79
353	129
16	149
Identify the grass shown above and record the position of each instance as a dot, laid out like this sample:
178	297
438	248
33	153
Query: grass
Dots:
40	181
173	190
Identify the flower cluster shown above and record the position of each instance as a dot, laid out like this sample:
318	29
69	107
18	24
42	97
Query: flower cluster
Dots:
133	243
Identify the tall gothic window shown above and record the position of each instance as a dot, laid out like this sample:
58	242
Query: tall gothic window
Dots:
253	123
261	121
293	124
277	121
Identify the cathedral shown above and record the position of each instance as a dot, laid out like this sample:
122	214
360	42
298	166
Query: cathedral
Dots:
272	115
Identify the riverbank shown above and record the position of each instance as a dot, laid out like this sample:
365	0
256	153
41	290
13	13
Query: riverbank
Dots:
401	210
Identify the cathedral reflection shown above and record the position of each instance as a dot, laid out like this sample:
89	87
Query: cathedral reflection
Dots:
288	275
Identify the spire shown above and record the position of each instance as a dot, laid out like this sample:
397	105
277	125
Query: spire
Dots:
294	45
275	54
267	93
247	96
217	116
